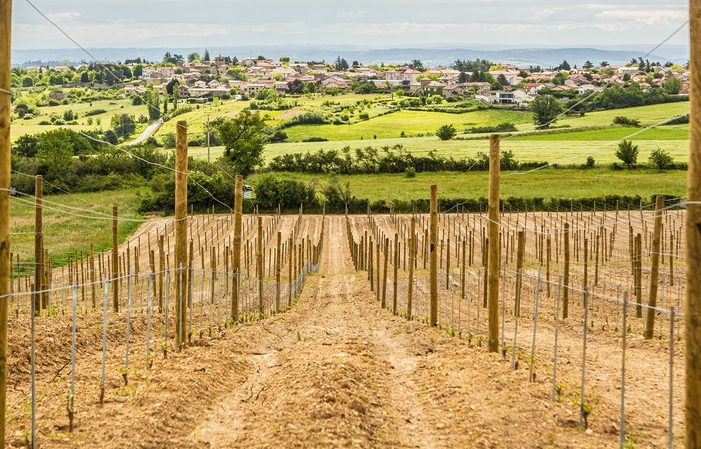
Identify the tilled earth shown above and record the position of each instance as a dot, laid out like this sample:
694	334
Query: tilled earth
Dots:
334	371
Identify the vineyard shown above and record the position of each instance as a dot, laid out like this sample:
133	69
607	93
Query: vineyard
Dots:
321	337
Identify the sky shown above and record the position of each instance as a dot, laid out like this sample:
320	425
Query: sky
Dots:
373	23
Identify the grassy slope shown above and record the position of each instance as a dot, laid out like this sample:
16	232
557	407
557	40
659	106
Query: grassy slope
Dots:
68	230
560	183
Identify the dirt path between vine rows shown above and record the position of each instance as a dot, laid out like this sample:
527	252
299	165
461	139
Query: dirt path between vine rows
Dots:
338	371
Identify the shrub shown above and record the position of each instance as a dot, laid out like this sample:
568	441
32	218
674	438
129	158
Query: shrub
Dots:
627	153
661	159
500	128
410	172
590	162
446	132
94	112
626	121
315	139
289	194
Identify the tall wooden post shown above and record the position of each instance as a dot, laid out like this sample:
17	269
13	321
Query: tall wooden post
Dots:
181	231
259	265
566	276
5	164
395	272
494	256
655	270
38	243
238	217
412	261
433	258
115	260
693	241
278	267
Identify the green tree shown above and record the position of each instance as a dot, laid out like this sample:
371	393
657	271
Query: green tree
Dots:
588	65
545	109
123	125
627	153
417	65
154	104
194	56
138	71
661	159
237	74
565	65
502	80
244	140
26	145
56	153
446	132
463	78
672	85
206	56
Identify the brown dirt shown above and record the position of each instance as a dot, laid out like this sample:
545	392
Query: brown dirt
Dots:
334	371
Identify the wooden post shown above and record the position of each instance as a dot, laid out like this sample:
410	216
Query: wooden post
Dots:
655	270
638	275
433	258
181	231
38	243
566	276
692	334
396	268
494	247
5	164
161	272
277	271
412	261
115	260
236	262
383	304
259	265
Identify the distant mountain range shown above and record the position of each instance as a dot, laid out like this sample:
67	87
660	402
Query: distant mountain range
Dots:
440	54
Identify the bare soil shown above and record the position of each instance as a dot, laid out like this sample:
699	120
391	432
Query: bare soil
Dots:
336	370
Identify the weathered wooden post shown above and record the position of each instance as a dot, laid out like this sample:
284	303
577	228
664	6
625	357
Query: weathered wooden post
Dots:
433	258
566	276
115	260
412	261
494	261
395	273
278	267
655	270
238	217
693	241
38	243
5	165
181	231
259	265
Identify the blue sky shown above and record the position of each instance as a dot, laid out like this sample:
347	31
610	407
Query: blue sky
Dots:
382	23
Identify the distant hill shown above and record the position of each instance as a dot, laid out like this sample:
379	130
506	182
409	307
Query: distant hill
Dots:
440	55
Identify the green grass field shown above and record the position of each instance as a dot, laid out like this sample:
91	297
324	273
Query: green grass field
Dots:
72	223
549	183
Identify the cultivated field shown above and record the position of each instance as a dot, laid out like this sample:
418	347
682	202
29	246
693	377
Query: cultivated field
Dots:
349	364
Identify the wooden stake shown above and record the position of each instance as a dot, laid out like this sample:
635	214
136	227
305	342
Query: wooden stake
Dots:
181	232
259	265
655	270
5	165
433	258
412	261
115	260
494	247
566	276
38	244
692	311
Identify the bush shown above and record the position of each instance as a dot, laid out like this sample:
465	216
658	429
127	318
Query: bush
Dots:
315	139
446	132
661	159
590	162
94	112
410	172
500	128
627	153
626	121
271	192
